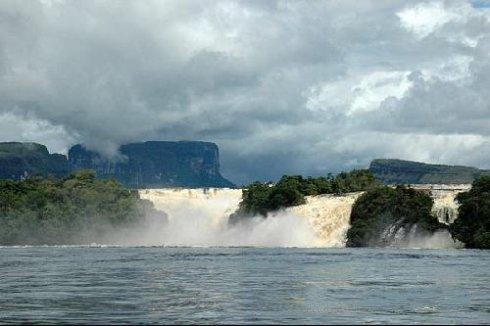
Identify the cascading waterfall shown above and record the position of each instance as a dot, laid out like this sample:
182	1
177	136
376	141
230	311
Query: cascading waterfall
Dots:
328	216
199	217
393	234
445	205
212	204
445	208
399	236
196	217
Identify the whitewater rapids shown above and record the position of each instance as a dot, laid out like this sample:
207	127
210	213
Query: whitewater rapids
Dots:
199	217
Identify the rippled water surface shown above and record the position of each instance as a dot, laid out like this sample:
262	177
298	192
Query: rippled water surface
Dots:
243	285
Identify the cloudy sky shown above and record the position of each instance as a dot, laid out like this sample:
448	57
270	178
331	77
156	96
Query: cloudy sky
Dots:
282	87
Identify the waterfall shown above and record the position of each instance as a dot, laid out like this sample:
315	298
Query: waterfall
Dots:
445	208
445	205
328	216
199	217
215	204
398	236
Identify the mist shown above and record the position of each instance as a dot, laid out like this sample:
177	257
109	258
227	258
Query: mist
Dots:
280	229
198	230
200	218
413	238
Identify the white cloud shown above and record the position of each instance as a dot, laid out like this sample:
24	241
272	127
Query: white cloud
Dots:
26	129
424	18
358	93
456	68
281	86
438	149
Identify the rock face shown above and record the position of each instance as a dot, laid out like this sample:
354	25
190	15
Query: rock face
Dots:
152	164
18	160
156	164
408	172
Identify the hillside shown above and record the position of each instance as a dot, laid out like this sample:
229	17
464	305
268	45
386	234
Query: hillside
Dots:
154	164
392	171
18	160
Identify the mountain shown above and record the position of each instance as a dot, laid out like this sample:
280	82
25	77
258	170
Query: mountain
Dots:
391	171
152	164
155	164
18	160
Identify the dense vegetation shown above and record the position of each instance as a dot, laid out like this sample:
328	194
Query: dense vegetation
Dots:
472	227
76	209
260	198
380	213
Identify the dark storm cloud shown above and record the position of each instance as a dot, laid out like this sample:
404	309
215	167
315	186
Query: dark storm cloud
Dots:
282	87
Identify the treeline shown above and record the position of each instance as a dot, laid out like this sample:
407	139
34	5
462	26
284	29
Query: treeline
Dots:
77	209
472	227
82	209
260	198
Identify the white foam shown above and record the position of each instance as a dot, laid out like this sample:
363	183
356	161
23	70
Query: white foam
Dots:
199	217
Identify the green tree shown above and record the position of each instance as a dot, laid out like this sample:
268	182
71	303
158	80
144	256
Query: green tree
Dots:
76	209
261	198
472	227
384	208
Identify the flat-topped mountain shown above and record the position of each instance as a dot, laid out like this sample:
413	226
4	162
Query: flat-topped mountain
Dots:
392	171
18	160
154	164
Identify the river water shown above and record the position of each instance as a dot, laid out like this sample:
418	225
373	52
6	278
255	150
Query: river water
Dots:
243	285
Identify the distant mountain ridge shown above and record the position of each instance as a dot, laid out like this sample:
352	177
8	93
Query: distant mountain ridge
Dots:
152	164
192	164
394	171
18	160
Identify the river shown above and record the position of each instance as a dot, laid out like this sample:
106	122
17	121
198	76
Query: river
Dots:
97	284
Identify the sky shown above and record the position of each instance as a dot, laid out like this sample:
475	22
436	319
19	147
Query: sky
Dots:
283	87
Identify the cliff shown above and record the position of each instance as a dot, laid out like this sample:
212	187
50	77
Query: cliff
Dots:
391	171
156	164
18	160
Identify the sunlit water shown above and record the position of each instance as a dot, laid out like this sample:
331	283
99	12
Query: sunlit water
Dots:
243	285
